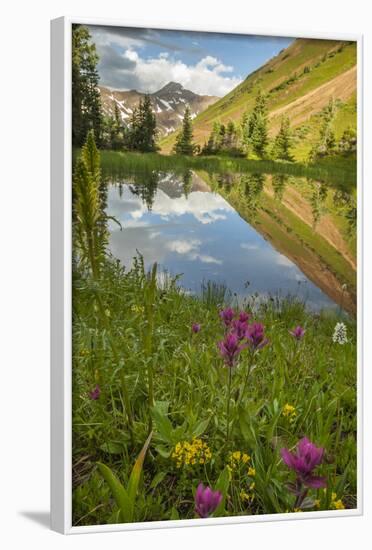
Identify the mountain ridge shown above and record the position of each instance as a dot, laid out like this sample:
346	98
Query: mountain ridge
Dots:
169	104
308	68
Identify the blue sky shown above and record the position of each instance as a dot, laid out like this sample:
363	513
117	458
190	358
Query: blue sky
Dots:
206	63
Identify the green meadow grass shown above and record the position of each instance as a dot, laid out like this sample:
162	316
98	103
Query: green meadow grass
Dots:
340	171
316	376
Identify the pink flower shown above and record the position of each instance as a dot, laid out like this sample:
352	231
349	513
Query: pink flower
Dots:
195	328
206	501
239	328
94	394
298	332
230	349
256	336
307	457
227	315
244	316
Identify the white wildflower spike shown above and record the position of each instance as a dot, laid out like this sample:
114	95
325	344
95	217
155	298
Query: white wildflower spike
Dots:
340	334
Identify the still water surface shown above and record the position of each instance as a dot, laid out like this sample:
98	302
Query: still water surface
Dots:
189	227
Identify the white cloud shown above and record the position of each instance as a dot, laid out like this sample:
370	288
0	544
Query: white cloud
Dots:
191	250
206	207
183	247
205	259
209	76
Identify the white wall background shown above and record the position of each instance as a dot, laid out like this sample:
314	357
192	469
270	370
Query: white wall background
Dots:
24	273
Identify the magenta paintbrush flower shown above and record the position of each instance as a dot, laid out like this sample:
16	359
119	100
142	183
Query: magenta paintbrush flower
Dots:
256	336
206	501
94	394
230	349
244	316
239	328
304	461
298	332
227	315
195	328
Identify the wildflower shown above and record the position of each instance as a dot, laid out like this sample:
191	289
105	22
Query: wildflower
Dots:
340	334
227	315
336	504
84	352
289	411
298	332
137	309
195	328
94	394
251	472
317	503
237	458
339	505
239	328
245	458
206	501
256	336
307	458
236	455
245	496
191	453
244	316
230	349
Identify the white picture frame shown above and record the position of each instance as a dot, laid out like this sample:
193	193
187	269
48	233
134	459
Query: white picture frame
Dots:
61	250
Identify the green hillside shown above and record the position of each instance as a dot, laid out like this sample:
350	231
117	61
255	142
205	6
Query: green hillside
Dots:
299	82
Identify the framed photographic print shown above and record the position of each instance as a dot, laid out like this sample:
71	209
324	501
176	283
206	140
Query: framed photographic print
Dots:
206	275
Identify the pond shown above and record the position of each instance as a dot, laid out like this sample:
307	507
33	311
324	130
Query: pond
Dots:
262	235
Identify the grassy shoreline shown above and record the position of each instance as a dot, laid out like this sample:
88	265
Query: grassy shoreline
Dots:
336	170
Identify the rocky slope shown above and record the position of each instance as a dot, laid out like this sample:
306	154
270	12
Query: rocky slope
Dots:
169	104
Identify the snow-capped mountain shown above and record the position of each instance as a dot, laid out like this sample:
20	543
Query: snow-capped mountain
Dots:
169	104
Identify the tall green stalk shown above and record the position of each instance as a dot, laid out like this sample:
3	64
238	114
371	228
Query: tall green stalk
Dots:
228	406
150	294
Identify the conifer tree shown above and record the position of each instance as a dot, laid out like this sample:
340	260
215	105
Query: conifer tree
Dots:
283	141
142	131
327	141
86	99
184	144
256	133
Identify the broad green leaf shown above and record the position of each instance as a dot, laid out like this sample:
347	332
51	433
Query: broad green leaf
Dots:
112	447
222	485
118	491
163	451
200	428
136	473
174	514
157	479
162	423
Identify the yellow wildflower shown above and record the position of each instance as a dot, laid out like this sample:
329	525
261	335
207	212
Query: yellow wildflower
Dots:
237	458
289	411
194	452
251	472
339	505
244	495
